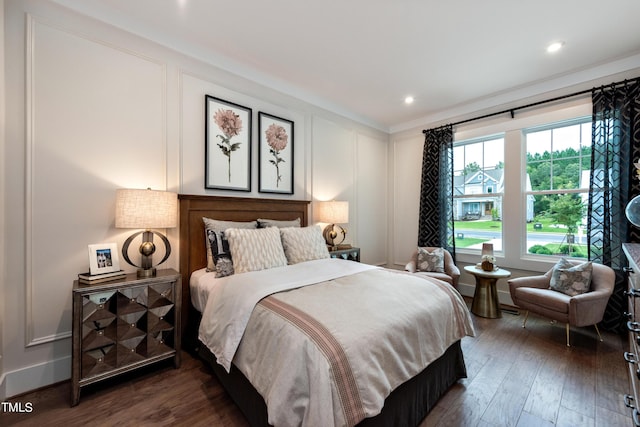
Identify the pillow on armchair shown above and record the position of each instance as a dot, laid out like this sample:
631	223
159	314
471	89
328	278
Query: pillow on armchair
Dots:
571	279
430	260
443	268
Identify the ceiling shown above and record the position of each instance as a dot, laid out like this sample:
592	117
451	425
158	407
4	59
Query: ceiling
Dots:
361	58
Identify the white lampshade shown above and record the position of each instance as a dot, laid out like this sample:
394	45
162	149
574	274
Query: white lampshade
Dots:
487	249
146	209
333	212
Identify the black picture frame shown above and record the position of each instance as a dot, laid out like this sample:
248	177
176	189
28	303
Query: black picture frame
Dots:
275	154
227	145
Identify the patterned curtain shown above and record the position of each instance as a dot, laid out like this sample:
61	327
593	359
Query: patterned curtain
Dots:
616	145
435	222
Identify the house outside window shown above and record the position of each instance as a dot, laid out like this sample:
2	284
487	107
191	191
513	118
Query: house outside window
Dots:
478	183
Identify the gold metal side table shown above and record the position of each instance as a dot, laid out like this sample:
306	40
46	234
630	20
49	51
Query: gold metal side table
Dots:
485	298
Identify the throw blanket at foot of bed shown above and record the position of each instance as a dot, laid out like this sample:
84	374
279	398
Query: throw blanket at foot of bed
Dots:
329	354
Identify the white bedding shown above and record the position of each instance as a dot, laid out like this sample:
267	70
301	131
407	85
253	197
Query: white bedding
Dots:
386	326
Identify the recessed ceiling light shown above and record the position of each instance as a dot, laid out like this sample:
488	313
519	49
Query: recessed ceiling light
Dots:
554	47
409	100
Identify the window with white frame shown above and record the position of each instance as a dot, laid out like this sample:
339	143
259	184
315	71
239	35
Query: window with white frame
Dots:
478	183
558	167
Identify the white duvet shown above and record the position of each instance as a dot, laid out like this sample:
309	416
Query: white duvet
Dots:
383	326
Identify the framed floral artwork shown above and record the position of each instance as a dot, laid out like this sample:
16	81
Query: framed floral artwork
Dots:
227	145
275	154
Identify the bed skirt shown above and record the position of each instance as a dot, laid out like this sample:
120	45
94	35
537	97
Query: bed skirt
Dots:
407	405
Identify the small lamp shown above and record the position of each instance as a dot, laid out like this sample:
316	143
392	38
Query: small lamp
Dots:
333	212
146	209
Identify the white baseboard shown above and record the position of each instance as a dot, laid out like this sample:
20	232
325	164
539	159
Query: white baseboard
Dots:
34	377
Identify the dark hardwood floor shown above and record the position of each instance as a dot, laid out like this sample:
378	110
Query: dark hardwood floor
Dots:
517	377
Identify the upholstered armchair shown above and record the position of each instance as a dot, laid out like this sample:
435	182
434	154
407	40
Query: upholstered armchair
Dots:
451	272
534	294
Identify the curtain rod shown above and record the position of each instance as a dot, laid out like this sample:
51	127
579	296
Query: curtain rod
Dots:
535	104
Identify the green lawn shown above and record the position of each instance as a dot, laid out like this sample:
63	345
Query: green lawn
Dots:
548	226
477	225
468	241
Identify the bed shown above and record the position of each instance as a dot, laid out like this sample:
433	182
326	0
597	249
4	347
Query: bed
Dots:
402	396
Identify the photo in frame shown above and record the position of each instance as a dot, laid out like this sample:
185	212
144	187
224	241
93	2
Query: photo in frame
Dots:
103	258
276	143
227	145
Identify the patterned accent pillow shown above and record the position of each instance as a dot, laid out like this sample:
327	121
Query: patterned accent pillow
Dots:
571	279
431	261
264	223
221	250
257	249
303	244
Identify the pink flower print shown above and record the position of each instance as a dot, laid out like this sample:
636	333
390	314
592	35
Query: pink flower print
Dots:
277	139
230	124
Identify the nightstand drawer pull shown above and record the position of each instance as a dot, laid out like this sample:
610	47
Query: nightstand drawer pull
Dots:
630	357
627	269
633	292
633	327
628	401
636	417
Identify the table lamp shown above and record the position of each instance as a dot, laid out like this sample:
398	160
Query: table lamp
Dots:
334	213
146	209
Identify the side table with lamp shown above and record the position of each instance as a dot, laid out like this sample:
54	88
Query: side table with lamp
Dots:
131	322
485	298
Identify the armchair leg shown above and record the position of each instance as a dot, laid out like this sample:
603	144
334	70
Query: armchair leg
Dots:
526	316
598	331
567	327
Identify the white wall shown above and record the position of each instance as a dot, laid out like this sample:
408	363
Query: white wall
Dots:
92	109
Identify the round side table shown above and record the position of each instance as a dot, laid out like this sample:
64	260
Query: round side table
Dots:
485	298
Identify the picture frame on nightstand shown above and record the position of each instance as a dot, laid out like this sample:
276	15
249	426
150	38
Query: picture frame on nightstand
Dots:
103	258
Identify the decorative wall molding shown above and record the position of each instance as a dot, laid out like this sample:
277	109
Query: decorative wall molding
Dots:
33	26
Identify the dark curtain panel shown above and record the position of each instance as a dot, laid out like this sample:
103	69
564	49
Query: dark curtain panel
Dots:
435	222
616	145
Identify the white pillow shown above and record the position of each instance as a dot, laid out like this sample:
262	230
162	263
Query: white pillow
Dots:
257	249
303	244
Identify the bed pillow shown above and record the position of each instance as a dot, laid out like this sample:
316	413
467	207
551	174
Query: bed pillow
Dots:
218	253
303	244
257	249
571	279
432	261
264	223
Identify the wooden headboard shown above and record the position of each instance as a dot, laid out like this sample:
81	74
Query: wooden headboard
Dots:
193	253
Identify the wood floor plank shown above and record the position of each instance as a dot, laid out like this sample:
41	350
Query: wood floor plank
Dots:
516	377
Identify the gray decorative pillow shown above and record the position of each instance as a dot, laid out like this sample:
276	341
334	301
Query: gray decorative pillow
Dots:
431	260
571	279
264	223
303	244
220	251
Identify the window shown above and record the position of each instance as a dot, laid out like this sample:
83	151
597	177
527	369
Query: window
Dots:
558	171
478	182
